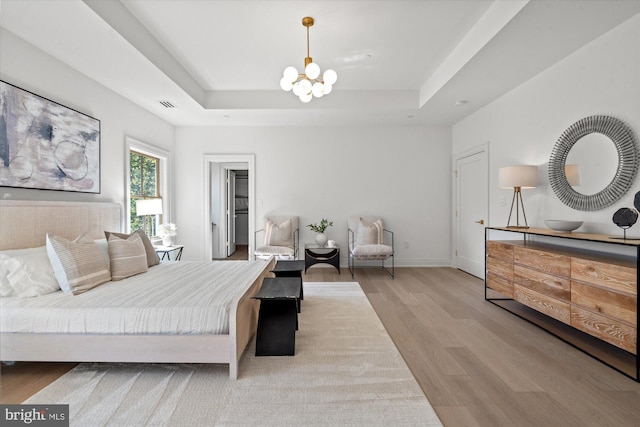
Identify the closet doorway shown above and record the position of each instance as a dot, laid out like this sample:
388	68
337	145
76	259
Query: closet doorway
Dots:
229	206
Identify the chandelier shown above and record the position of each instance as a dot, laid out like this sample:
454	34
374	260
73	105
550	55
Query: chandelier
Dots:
307	85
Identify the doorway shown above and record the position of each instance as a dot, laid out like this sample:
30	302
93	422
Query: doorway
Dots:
229	206
471	210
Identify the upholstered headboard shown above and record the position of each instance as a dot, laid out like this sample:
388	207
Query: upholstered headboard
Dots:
25	223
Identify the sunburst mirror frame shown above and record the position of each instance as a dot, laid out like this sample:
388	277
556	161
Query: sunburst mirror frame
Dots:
628	159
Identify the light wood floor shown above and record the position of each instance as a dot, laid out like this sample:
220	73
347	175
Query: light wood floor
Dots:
241	253
477	364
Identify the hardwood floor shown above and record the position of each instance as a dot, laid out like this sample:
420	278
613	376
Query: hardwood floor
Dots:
477	364
481	366
241	254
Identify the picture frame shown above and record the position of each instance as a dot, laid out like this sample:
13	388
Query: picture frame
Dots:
45	145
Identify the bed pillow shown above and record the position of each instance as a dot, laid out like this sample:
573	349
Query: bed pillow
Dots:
278	235
369	234
6	290
79	265
26	273
104	249
152	256
128	256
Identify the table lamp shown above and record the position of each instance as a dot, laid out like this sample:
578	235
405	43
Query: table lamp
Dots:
146	208
518	177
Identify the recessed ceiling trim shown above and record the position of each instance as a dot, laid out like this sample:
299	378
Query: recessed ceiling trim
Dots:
127	25
495	19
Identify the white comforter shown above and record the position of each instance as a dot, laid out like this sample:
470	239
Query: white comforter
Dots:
184	297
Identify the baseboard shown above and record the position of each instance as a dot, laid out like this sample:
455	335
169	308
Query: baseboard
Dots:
405	262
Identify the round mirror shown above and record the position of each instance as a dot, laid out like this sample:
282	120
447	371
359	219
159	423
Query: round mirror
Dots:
607	174
596	161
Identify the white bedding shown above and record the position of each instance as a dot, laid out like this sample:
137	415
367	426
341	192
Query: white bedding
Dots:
184	297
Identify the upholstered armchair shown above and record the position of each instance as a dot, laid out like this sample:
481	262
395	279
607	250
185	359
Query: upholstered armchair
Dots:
369	241
280	238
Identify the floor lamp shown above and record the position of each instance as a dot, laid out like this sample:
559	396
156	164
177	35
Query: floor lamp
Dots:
146	208
518	177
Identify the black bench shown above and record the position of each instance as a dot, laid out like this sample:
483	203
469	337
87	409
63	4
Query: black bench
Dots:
290	268
278	318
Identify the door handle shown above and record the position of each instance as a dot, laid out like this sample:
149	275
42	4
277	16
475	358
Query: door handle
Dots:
480	222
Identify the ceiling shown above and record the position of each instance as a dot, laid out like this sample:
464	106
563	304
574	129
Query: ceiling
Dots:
398	62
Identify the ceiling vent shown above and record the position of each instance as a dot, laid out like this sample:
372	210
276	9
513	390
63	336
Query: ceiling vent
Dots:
167	104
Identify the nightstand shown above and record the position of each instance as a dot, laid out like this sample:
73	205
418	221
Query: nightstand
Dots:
314	254
164	252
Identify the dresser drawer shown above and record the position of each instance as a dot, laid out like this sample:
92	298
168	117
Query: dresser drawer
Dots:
500	250
543	283
548	262
499	284
500	268
611	276
613	304
552	307
612	331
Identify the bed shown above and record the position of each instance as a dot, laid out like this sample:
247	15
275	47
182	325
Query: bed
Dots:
166	315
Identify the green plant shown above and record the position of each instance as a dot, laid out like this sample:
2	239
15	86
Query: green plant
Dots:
319	228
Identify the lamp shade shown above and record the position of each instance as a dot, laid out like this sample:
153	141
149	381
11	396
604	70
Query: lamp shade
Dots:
573	174
518	176
148	207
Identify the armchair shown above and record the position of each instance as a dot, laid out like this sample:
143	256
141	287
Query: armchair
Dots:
281	238
368	240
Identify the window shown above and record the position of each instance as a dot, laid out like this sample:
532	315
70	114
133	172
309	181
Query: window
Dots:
144	176
147	176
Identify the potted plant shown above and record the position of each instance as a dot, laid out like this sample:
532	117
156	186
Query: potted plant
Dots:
168	232
321	238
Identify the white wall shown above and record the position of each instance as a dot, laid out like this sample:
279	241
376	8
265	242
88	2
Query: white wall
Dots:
603	78
400	173
28	67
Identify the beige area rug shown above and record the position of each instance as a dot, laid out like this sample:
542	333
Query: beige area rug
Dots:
346	371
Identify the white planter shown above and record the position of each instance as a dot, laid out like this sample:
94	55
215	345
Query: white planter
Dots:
321	239
168	240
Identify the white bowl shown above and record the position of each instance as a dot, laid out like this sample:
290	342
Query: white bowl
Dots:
562	225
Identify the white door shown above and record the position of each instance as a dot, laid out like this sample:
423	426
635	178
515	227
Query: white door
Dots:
231	212
471	212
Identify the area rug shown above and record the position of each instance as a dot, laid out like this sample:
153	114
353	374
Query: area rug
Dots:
346	372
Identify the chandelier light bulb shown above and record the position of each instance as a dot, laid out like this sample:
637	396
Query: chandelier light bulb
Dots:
312	70
286	84
330	77
305	86
291	74
317	90
297	91
310	84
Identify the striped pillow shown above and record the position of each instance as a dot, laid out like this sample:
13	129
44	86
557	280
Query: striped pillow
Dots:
278	235
78	265
128	256
370	234
152	256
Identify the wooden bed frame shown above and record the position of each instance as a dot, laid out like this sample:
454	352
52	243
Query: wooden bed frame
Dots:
24	224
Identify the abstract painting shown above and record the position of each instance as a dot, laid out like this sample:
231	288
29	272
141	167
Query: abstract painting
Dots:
46	145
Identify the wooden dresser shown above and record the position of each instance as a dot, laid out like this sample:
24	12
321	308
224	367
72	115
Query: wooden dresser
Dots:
593	288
